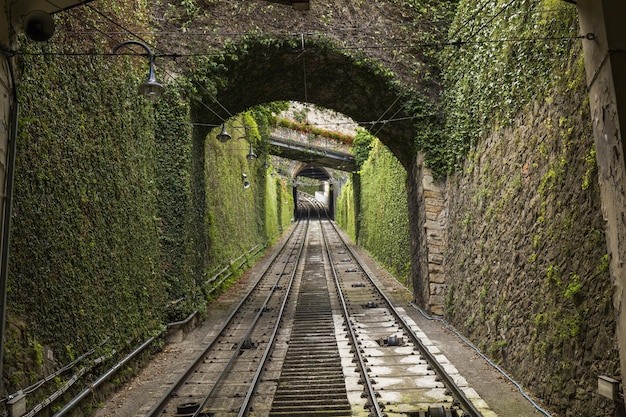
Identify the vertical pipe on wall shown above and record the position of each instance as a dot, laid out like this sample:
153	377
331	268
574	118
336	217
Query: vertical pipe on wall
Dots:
6	217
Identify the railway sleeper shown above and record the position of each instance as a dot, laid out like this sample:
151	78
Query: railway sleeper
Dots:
321	378
325	330
291	392
312	413
304	400
327	357
300	409
308	368
314	360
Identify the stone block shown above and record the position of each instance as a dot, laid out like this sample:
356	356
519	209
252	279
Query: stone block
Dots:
437	278
430	224
436	309
17	405
436	290
435	258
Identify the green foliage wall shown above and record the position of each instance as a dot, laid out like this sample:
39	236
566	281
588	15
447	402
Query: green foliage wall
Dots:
500	58
232	209
284	205
122	208
346	211
85	261
175	205
383	217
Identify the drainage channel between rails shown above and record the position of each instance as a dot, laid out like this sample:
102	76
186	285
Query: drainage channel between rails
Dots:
312	381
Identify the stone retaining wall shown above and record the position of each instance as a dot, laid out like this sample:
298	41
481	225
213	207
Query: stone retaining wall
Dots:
434	226
526	262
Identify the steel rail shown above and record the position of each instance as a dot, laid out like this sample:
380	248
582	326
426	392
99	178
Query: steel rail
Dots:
160	406
375	406
243	411
467	405
236	352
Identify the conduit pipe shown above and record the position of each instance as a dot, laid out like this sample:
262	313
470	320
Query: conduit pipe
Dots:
103	378
7	203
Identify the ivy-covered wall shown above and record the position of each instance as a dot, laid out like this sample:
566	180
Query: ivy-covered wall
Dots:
346	212
123	208
85	262
383	216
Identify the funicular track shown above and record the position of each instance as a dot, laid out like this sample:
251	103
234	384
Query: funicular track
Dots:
402	376
316	337
311	380
206	388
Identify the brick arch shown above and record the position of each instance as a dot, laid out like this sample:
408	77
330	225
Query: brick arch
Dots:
266	72
310	170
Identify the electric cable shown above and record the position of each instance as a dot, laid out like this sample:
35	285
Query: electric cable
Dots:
483	356
475	349
431	45
502	10
384	113
469	19
133	34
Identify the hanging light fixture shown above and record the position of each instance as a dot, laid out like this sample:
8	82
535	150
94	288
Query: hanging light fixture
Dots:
223	136
251	154
151	88
244	181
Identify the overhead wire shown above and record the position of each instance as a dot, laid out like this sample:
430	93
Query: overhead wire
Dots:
471	18
355	123
126	30
137	35
502	10
384	113
209	54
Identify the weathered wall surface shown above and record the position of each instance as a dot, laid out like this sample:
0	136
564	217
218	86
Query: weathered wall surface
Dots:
435	218
383	228
526	261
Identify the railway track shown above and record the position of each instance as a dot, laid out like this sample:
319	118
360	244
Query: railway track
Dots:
317	337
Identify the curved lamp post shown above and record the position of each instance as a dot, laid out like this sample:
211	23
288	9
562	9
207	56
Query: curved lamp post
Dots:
151	88
224	137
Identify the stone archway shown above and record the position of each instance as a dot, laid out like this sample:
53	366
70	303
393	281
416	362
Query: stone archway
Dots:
372	61
273	70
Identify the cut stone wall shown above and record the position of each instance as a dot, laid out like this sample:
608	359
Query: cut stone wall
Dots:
434	226
526	259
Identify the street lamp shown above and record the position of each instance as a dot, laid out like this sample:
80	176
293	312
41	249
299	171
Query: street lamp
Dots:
151	88
224	137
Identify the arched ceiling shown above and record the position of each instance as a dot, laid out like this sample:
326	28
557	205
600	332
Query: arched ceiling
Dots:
316	75
313	172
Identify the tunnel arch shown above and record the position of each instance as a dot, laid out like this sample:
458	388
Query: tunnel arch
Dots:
311	171
262	70
318	71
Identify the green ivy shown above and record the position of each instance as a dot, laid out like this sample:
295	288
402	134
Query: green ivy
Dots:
497	65
85	254
383	219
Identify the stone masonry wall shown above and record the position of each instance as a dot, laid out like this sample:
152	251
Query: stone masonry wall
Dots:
526	259
434	226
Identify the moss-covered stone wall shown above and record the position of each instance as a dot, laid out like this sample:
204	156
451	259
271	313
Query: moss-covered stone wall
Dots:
526	260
